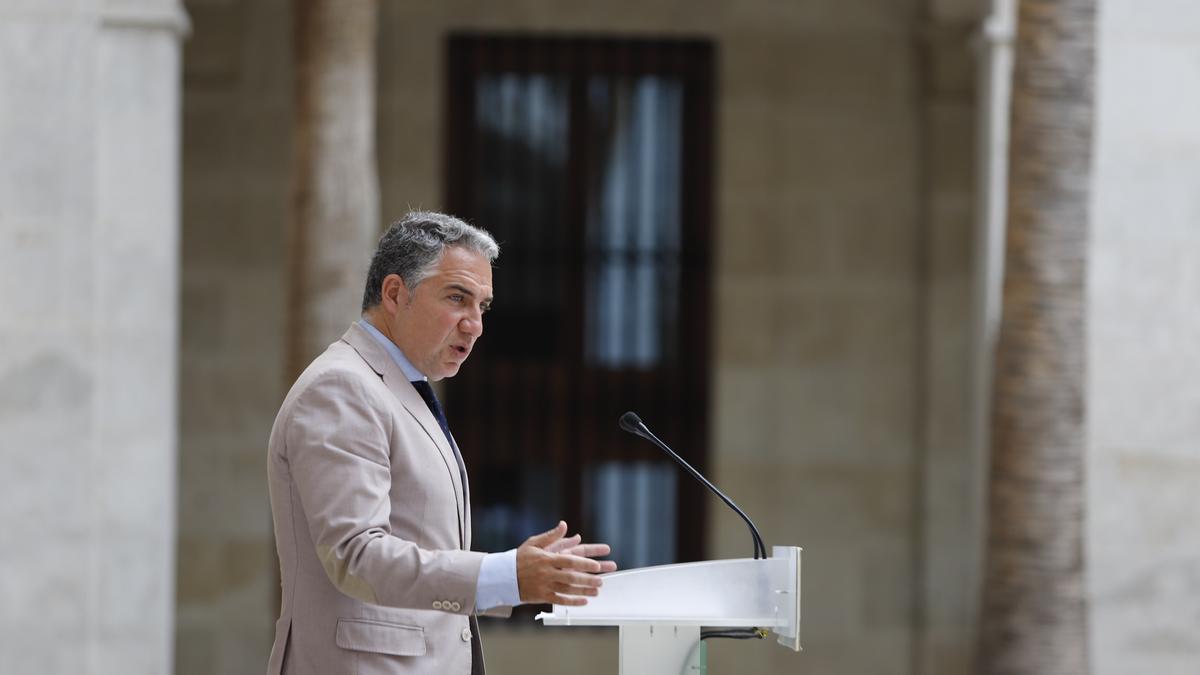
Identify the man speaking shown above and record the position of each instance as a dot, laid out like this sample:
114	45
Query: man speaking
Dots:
369	493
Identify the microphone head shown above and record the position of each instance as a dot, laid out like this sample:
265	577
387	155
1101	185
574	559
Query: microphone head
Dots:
631	422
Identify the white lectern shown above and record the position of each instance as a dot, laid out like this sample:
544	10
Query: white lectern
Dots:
659	610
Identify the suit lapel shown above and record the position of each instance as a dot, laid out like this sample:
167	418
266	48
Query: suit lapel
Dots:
381	362
466	505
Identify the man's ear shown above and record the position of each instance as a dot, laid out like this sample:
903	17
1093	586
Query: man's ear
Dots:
394	293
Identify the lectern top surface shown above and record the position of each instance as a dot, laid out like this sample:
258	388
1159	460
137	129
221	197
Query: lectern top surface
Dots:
734	622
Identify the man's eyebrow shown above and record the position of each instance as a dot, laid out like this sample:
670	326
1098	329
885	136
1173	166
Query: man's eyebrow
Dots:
468	292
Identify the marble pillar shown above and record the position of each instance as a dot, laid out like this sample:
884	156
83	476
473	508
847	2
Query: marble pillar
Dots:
89	230
1144	342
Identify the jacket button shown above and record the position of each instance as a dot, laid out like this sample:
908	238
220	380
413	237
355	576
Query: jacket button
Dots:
454	607
437	604
466	635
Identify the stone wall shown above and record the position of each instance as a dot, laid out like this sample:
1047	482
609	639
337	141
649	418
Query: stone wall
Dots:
842	302
841	305
89	223
237	139
842	292
1144	342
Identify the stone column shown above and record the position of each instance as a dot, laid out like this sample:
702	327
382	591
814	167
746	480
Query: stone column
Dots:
335	186
89	222
1144	342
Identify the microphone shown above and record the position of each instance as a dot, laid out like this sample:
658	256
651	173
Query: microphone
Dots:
633	424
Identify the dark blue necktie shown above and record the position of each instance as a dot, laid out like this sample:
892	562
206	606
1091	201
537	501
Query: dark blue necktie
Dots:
426	391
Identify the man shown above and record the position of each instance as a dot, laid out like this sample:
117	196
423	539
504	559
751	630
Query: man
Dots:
368	491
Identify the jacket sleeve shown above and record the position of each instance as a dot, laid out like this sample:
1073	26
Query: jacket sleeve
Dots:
339	459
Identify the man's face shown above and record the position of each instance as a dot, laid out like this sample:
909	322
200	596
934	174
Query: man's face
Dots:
437	323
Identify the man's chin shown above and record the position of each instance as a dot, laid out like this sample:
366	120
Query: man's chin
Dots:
450	370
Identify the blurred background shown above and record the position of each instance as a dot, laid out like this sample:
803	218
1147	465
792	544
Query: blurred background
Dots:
772	228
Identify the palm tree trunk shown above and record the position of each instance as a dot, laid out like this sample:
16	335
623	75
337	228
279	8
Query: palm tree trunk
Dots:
1035	595
335	187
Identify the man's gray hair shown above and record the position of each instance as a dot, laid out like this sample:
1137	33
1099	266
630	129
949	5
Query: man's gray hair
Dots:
412	247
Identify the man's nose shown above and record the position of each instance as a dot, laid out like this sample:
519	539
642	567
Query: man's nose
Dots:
472	325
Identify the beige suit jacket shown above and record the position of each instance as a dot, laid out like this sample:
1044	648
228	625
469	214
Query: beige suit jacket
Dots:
372	524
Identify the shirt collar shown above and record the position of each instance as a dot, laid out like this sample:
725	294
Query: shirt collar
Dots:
410	371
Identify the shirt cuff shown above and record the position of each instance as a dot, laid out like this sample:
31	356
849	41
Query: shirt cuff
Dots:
497	581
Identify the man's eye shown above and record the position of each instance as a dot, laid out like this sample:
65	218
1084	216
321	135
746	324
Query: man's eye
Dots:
456	297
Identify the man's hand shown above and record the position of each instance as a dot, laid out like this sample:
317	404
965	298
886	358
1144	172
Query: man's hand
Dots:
554	568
